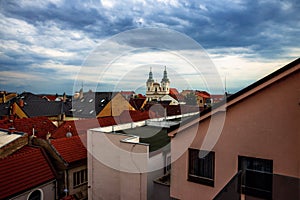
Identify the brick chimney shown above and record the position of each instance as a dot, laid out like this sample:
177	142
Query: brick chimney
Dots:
21	103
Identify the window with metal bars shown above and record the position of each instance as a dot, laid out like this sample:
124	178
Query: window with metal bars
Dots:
79	177
201	167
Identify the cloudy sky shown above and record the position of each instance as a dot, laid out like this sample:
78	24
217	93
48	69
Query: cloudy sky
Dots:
55	46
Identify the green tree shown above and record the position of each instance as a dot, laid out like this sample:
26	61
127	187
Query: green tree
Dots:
191	99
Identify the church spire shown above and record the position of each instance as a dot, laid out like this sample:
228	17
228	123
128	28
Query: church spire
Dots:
165	77
150	79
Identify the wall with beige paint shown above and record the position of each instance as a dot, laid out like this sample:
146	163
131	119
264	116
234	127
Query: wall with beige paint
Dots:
264	125
117	168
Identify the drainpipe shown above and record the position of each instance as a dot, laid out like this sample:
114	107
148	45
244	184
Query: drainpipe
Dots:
66	183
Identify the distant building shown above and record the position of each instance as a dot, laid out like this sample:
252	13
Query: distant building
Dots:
154	90
6	96
216	98
97	104
203	98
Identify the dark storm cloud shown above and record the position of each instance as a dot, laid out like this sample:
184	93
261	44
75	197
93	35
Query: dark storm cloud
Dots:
39	32
262	24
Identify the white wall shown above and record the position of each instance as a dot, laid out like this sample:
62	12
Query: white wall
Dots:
48	192
116	169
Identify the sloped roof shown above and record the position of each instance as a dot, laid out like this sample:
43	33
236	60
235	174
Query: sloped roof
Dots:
42	126
90	105
70	149
4	109
137	103
127	94
77	127
36	106
23	170
203	94
30	97
42	108
80	127
134	116
48	97
231	100
175	94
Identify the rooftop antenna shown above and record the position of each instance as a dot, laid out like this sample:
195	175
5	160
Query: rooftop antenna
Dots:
225	84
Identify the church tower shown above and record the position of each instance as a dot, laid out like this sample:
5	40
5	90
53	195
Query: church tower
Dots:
150	81
165	82
154	90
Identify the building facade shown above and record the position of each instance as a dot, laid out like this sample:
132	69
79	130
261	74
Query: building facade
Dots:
256	155
154	90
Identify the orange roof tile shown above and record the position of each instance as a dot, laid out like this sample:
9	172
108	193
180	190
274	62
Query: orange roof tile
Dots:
42	125
80	127
175	94
23	170
70	149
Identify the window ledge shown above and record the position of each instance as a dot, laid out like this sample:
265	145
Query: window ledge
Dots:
201	180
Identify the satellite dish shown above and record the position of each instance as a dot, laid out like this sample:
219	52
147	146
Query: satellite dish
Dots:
69	134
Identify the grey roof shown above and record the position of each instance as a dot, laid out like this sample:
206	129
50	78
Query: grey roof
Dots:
42	108
35	106
4	109
90	105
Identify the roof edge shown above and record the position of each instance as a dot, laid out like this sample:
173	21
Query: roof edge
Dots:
232	99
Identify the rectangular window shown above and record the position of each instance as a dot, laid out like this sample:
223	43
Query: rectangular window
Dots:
201	166
168	164
79	177
257	174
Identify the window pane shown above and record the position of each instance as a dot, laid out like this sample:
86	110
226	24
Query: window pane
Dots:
36	195
201	166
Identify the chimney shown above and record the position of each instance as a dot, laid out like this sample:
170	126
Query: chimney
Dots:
4	97
21	103
81	93
64	97
14	108
33	132
11	128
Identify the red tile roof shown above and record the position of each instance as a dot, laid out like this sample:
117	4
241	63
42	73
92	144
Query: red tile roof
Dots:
42	126
203	94
80	127
48	97
134	116
71	149
175	94
70	197
23	170
141	96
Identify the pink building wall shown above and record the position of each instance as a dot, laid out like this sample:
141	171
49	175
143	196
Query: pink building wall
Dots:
264	124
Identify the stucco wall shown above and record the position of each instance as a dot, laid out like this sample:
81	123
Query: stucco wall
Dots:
264	125
48	192
116	169
81	190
